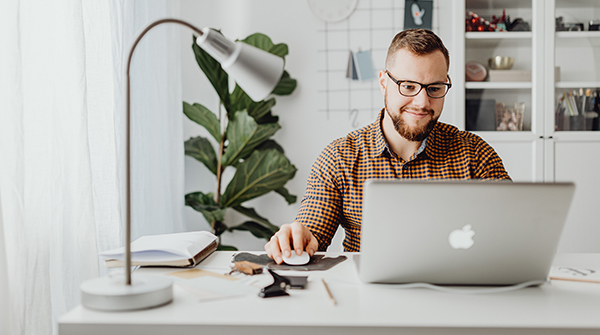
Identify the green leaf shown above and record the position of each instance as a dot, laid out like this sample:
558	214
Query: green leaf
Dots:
262	172
239	101
251	213
256	229
263	42
268	118
280	50
244	134
290	198
222	247
199	198
205	204
215	74
270	144
219	228
204	117
201	149
260	41
286	85
259	109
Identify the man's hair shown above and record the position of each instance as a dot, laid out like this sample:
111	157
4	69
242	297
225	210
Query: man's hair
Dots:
418	41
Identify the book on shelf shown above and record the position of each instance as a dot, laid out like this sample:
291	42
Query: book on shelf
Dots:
172	250
509	75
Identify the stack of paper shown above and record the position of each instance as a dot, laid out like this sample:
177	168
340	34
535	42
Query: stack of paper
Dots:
509	75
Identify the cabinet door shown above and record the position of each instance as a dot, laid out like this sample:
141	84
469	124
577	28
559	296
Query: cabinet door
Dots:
506	108
579	162
572	70
522	157
573	65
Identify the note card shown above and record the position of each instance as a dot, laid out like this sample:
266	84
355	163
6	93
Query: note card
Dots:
586	275
360	66
206	288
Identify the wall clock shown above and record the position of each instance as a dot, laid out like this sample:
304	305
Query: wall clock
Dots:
332	10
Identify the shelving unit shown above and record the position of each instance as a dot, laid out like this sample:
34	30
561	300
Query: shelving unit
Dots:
541	152
573	155
522	151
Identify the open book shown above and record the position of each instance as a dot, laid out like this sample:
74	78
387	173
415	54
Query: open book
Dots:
175	250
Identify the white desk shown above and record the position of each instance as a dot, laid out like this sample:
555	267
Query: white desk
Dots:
560	307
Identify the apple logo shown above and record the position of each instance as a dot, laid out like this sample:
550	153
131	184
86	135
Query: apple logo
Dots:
462	238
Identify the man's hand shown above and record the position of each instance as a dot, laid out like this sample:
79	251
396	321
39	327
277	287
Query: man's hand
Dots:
291	235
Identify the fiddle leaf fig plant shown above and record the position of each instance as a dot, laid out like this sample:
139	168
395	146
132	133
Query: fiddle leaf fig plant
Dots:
245	145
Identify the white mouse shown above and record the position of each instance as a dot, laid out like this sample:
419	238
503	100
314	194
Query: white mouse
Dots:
295	259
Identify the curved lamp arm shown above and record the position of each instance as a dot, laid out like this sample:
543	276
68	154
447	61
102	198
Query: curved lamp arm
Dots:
256	71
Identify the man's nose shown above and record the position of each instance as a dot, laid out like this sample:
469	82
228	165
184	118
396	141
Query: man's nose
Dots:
421	100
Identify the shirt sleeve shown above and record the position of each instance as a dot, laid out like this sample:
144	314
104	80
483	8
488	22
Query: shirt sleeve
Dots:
321	205
489	163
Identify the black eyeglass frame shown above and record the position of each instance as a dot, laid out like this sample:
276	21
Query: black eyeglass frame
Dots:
398	82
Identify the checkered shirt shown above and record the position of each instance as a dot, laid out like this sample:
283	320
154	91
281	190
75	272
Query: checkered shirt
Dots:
334	190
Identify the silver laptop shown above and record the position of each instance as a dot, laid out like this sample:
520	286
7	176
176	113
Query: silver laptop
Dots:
460	232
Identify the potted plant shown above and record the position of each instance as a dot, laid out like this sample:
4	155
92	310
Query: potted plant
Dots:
245	145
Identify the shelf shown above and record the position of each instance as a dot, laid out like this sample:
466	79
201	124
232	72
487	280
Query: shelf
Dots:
497	35
577	84
507	136
501	85
569	4
577	136
496	4
491	39
578	34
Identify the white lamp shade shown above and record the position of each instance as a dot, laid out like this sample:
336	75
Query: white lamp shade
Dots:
256	71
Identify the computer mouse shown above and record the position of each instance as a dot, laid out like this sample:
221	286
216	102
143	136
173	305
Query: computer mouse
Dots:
294	259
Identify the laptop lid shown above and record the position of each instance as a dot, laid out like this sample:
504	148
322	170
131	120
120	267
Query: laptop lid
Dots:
461	232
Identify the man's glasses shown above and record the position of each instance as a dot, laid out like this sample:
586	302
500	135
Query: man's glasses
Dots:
411	88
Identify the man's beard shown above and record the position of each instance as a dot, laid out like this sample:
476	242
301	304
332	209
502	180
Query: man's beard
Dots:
412	134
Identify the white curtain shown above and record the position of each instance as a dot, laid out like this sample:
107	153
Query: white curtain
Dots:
5	321
62	146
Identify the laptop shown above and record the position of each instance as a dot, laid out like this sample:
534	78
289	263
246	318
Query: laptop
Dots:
460	232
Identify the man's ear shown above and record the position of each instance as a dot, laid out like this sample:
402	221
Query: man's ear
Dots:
382	81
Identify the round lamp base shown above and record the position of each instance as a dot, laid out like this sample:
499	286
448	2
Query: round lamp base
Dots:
113	294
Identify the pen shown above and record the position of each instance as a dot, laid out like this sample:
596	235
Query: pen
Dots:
329	292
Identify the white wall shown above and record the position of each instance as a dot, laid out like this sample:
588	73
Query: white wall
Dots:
306	127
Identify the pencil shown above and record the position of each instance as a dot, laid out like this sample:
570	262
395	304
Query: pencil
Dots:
329	292
583	280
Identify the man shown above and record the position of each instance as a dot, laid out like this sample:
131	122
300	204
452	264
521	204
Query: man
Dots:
406	142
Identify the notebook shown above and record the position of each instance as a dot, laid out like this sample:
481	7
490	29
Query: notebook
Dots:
460	232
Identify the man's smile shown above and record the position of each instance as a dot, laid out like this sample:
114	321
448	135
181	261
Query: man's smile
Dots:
417	113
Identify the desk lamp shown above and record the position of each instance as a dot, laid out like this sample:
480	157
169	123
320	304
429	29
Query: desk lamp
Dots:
257	72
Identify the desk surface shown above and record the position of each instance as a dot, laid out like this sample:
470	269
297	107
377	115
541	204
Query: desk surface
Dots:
556	307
